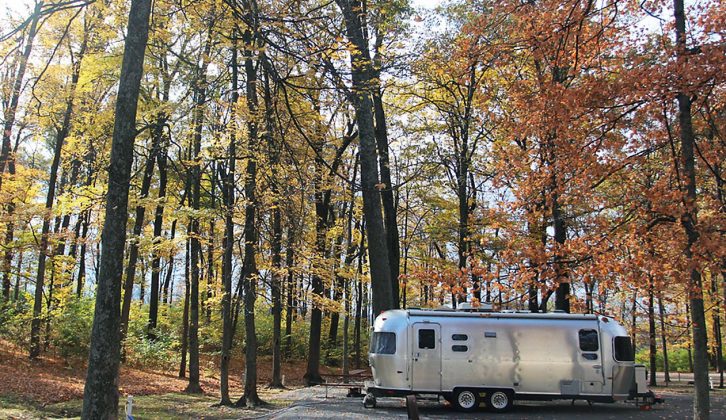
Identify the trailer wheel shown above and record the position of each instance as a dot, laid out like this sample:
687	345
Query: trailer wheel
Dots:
499	400
466	400
369	401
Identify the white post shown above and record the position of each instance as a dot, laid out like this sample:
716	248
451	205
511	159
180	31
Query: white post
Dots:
129	407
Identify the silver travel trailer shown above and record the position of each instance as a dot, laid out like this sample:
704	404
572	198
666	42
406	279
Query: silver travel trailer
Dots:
502	357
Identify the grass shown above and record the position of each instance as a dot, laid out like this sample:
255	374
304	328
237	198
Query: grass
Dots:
165	406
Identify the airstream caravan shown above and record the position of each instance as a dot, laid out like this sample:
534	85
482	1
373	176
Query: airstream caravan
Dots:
498	357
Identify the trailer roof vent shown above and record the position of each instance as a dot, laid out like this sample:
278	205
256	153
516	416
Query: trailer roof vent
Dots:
468	307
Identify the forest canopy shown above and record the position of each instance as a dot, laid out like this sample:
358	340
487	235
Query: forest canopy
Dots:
247	177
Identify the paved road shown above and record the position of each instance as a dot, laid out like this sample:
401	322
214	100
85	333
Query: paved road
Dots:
311	404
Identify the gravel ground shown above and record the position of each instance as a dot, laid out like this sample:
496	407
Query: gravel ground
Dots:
310	403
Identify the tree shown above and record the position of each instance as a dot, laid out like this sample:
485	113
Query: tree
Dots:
100	397
250	38
195	176
701	405
362	74
450	84
228	196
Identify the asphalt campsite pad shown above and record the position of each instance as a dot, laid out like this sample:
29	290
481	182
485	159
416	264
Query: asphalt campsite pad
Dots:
310	403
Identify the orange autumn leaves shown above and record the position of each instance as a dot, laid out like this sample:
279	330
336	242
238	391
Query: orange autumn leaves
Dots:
580	96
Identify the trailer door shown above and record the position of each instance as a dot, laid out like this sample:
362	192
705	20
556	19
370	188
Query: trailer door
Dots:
591	361
426	357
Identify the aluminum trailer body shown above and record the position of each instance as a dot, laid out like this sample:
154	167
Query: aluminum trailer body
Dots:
503	356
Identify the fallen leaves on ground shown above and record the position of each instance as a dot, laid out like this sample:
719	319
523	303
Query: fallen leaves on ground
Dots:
50	379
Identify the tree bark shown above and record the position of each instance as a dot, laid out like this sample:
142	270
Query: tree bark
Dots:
652	345
185	316
389	206
291	311
361	75
81	279
701	403
276	240
666	366
228	195
562	293
10	235
250	397
195	174
168	282
160	124
100	399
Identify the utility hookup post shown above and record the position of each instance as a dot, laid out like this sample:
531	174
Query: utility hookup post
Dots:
129	407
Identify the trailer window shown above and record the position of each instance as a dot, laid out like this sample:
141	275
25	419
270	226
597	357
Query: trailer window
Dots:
459	348
459	337
588	340
623	349
383	343
426	339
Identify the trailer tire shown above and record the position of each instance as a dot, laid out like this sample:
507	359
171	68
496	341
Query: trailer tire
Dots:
466	400
369	401
499	400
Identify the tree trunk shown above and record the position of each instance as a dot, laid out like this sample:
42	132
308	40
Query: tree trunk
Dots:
8	257
16	292
250	397
195	174
666	366
718	326
652	345
168	282
361	77
357	323
185	316
228	195
276	240
346	328
562	293
634	319
160	124
81	280
290	306
211	280
10	234
312	375
701	403
100	399
389	207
